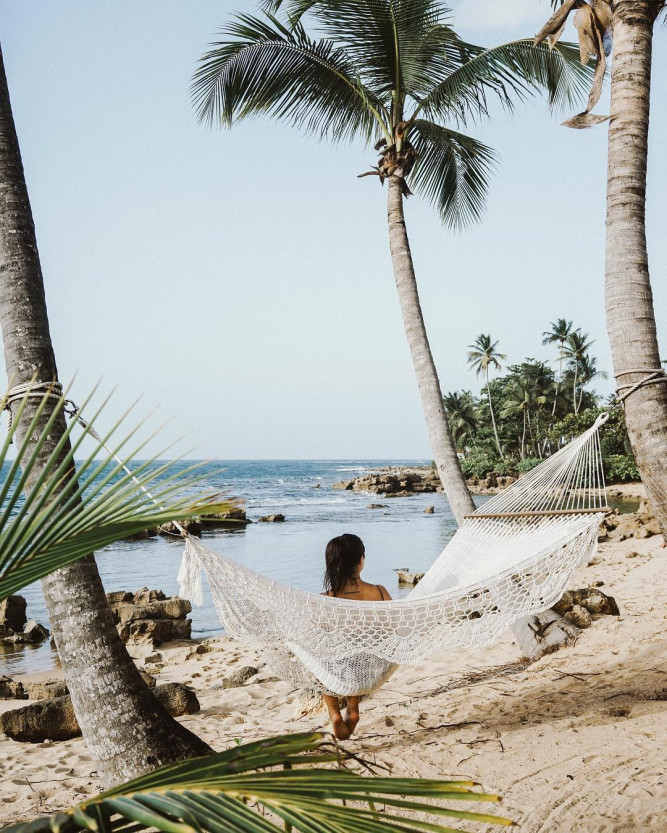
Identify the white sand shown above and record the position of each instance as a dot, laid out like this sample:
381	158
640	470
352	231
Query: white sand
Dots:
575	741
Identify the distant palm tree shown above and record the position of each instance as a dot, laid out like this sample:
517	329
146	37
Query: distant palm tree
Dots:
481	356
397	71
576	349
587	372
558	334
461	412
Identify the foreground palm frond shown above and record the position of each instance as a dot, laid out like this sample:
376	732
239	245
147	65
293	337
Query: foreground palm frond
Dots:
211	795
53	512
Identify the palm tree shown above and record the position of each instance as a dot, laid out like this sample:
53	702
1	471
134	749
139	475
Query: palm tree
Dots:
481	356
462	416
127	731
560	330
628	294
588	371
576	350
395	72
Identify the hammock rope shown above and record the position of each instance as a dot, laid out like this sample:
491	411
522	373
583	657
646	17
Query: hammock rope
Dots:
512	558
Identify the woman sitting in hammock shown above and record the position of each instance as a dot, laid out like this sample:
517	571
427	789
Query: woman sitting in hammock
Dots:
345	557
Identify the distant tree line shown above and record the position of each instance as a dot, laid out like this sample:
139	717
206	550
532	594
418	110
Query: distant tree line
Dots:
532	410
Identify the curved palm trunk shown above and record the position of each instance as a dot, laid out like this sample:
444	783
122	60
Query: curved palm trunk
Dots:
440	436
127	731
493	416
628	296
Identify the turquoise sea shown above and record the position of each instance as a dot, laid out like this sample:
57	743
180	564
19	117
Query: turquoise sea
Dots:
401	535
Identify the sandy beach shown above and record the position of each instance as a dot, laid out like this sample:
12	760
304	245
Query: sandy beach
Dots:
572	741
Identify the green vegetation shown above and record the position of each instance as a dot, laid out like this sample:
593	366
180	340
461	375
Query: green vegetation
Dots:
530	411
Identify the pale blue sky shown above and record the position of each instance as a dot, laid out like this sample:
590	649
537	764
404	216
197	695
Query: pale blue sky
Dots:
241	279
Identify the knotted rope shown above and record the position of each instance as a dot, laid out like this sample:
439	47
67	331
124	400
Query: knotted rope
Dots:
654	376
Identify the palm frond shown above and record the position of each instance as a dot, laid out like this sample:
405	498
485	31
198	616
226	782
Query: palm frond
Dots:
266	67
509	72
452	171
210	795
54	511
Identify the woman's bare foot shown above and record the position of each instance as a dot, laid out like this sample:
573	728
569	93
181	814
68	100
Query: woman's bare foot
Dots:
351	718
340	727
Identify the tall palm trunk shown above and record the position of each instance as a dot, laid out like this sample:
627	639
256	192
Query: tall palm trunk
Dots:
493	416
559	382
574	387
628	296
127	731
440	436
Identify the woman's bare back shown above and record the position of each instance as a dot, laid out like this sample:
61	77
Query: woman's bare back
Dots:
361	591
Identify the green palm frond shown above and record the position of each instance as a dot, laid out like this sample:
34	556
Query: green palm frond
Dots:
212	794
452	171
267	67
510	72
48	519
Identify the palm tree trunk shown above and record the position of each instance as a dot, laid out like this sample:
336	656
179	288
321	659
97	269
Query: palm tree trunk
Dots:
558	383
628	295
523	438
127	731
574	388
493	416
440	436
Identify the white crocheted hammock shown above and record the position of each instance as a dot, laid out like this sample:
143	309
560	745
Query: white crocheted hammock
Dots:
512	558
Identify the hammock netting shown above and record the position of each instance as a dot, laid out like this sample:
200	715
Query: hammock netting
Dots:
512	558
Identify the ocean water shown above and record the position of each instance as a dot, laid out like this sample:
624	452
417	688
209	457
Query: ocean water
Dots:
398	536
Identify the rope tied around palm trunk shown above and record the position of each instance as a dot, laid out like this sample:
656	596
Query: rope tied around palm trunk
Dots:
654	376
54	389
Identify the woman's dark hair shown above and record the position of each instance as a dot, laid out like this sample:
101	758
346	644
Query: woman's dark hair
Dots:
343	556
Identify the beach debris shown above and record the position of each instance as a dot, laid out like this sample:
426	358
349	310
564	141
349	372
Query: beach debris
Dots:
405	577
591	599
148	616
54	719
276	518
430	510
308	701
238	678
579	616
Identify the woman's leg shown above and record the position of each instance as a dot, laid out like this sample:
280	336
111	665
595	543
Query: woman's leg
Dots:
352	713
339	726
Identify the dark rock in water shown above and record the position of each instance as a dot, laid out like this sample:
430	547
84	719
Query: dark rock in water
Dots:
46	719
234	518
378	506
238	678
191	526
34	632
46	690
177	699
12	613
271	519
404	577
591	599
11	690
430	510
